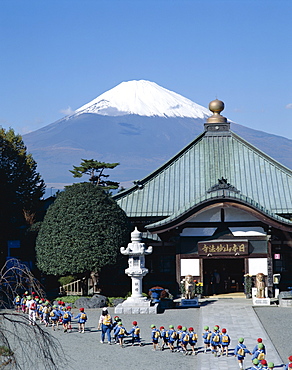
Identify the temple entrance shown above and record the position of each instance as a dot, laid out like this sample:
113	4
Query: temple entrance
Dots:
223	275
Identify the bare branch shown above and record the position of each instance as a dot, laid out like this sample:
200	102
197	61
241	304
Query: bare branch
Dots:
29	345
22	345
15	277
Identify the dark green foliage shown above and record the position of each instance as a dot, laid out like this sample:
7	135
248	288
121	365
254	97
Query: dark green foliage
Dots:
66	280
95	170
81	232
21	187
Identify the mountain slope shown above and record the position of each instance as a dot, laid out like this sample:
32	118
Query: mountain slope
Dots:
139	142
143	98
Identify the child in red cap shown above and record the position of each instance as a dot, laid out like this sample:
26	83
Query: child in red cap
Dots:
82	318
193	340
178	339
289	365
135	332
224	341
259	340
164	337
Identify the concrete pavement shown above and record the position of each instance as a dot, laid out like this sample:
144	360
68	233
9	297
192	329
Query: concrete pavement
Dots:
240	320
235	314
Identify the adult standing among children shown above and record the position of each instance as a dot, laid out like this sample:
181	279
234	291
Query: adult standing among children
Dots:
106	324
32	309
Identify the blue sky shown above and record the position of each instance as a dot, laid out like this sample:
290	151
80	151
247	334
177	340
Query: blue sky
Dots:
59	55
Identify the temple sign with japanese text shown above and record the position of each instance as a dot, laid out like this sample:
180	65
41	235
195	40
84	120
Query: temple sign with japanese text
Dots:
223	248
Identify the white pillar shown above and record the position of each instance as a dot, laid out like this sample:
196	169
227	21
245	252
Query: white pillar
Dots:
137	286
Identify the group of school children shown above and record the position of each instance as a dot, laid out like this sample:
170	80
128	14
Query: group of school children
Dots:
175	340
106	325
55	315
216	341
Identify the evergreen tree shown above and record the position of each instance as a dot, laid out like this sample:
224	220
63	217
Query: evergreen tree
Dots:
21	187
81	232
95	170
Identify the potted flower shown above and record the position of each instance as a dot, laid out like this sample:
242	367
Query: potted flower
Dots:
248	282
156	293
182	287
199	289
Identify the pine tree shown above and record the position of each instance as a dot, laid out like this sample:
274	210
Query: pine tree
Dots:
95	170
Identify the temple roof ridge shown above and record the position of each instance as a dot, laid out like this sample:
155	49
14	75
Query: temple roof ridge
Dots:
196	168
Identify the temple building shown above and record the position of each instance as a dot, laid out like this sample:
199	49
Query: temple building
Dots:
218	207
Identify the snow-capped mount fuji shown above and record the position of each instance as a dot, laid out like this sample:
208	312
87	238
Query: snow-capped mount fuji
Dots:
137	123
143	98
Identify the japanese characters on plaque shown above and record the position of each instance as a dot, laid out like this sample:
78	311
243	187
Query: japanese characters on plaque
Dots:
223	248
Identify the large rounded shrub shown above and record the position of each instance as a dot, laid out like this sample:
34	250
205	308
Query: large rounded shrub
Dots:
81	232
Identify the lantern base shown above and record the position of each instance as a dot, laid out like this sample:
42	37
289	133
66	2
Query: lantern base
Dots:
136	306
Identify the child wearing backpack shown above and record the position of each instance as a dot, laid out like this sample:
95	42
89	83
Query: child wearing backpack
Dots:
120	332
193	340
259	340
17	303
67	316
46	314
54	316
155	335
172	335
289	365
70	321
184	339
256	364
135	332
178	339
259	353
224	341
164	337
82	318
206	338
240	351
117	319
215	340
23	303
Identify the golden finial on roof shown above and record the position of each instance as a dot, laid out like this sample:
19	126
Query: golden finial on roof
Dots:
216	106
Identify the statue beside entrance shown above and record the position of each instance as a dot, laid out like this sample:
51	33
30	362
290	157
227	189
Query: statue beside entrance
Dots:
189	287
260	285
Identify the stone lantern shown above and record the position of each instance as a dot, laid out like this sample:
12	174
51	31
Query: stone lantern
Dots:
136	250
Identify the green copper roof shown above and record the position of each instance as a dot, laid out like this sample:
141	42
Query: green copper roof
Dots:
227	195
187	177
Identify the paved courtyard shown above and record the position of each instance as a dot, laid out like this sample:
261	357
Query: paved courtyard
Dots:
84	351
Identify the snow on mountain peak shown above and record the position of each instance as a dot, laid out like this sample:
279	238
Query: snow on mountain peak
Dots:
144	98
